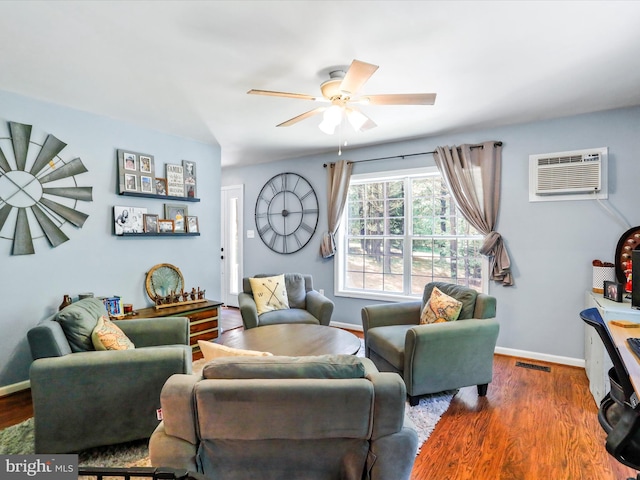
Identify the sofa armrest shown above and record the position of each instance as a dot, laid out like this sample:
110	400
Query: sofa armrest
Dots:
248	310
150	332
172	452
386	314
319	306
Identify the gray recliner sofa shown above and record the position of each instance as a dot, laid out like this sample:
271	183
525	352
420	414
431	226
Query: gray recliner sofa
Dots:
306	304
84	398
317	417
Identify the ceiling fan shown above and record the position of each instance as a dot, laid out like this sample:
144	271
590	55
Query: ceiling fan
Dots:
342	92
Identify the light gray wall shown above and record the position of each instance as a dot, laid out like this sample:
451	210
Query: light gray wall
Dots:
32	286
551	244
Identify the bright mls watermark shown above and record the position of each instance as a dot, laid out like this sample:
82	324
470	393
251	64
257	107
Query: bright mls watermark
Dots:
39	467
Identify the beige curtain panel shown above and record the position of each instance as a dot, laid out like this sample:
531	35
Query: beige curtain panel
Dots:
473	177
338	176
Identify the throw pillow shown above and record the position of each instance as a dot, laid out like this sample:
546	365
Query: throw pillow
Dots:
212	350
269	293
440	308
108	336
78	321
296	292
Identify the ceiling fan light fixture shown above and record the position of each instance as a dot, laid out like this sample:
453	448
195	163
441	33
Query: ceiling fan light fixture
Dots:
356	119
327	127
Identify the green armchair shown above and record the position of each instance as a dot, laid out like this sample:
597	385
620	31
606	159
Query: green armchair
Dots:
435	357
306	304
84	398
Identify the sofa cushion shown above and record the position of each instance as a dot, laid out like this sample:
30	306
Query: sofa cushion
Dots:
292	315
108	336
269	293
440	308
320	366
78	321
211	350
296	291
388	343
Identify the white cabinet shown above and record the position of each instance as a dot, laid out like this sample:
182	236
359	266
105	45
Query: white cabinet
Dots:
597	361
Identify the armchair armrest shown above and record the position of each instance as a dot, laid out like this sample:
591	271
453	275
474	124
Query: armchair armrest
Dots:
462	351
119	390
248	310
319	306
386	314
150	332
48	340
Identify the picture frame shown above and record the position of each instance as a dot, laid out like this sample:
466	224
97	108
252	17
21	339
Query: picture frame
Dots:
160	186
145	164
192	224
165	225
175	180
150	223
189	172
130	182
128	219
177	213
130	161
613	291
136	172
146	184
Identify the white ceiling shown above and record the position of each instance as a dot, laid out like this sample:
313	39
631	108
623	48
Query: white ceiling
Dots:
184	67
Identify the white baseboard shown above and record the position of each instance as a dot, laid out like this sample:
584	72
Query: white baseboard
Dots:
14	387
347	326
511	352
543	357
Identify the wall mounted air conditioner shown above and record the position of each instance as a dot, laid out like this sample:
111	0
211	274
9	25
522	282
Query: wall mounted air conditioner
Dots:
574	175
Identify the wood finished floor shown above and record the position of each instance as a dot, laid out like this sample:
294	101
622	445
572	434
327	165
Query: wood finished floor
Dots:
532	425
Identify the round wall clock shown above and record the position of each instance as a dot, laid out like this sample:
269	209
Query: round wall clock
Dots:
286	213
31	176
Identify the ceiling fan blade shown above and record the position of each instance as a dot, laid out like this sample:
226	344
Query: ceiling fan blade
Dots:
270	93
301	117
357	75
400	99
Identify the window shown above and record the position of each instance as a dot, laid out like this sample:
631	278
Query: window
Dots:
400	231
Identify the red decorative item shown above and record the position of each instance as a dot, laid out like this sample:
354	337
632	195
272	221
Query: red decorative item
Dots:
628	287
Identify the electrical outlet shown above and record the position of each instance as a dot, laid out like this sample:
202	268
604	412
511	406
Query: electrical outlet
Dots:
321	291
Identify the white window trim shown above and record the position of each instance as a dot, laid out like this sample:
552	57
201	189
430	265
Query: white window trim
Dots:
339	259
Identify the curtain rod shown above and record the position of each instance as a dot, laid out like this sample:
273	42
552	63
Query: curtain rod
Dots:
495	144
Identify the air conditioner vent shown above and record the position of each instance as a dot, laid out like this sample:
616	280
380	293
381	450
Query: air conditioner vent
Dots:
571	175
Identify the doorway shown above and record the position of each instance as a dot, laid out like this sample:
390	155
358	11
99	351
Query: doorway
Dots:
231	243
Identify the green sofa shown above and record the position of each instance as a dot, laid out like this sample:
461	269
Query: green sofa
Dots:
84	398
317	417
436	357
306	304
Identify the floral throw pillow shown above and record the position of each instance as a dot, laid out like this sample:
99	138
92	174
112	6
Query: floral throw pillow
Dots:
108	336
269	293
440	308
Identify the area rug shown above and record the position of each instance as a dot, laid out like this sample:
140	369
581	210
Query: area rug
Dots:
18	439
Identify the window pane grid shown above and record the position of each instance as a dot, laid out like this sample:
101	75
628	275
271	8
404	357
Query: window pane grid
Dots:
403	233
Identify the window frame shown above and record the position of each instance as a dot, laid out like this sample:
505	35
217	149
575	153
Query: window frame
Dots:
340	256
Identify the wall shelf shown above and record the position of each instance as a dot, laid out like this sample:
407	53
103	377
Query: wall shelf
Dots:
161	197
147	235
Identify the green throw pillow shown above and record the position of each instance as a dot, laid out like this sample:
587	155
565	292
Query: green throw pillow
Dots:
78	321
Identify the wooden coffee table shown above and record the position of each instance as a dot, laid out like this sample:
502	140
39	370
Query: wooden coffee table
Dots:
294	340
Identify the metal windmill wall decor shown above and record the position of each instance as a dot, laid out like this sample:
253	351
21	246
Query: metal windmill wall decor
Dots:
30	175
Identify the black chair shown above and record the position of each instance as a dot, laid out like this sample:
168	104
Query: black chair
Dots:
619	412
